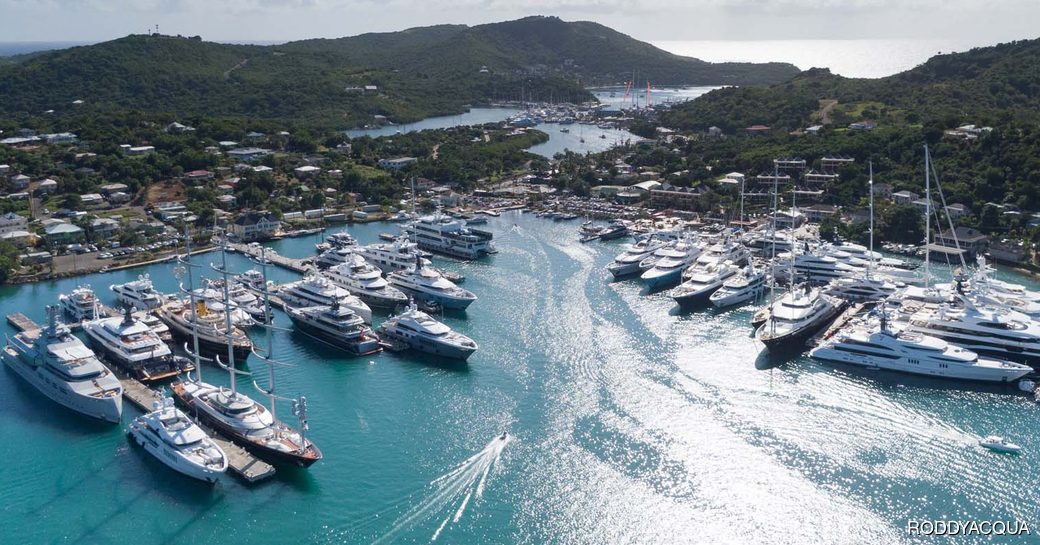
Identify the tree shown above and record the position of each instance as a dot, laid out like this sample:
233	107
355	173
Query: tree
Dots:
902	223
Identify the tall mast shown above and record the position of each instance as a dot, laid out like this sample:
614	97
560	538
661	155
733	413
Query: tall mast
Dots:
227	318
870	186
191	299
927	216
268	314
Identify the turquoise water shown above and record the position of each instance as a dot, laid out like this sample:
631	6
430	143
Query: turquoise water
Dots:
630	423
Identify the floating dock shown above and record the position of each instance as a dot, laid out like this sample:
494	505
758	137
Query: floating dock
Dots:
240	461
21	322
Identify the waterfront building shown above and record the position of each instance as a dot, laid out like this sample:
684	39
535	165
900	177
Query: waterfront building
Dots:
254	226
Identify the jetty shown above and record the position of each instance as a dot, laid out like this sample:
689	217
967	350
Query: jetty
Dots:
22	322
296	265
841	321
240	461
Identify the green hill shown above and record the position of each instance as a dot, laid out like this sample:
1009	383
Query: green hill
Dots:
983	84
417	72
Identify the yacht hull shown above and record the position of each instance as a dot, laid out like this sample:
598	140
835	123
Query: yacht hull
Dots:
154	446
362	347
796	339
108	409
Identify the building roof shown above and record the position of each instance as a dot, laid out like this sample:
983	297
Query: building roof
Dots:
61	228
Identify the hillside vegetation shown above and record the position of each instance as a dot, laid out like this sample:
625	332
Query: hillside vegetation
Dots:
417	73
980	86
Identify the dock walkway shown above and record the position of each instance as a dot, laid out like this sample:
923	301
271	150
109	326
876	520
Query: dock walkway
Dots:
296	265
21	322
841	321
240	461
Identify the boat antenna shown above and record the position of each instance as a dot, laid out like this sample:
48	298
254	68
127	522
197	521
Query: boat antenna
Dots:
772	242
229	333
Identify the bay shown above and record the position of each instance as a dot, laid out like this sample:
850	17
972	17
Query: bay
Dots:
630	423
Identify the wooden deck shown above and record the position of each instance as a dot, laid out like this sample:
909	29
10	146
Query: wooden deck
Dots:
21	322
841	321
240	461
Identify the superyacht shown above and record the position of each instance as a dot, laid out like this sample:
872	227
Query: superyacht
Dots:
170	436
740	288
392	256
316	291
341	239
211	326
366	281
444	235
876	344
796	316
134	347
426	283
1001	333
701	281
79	305
337	326
421	332
669	263
139	294
62	368
627	262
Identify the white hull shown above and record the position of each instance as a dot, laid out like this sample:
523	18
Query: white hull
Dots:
170	457
109	409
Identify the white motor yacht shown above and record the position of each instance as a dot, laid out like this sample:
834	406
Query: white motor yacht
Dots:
139	293
318	291
170	436
421	332
391	256
426	283
133	346
366	281
61	367
669	263
337	326
627	262
740	288
81	304
700	282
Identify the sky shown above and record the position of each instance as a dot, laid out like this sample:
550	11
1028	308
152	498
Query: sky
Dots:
976	21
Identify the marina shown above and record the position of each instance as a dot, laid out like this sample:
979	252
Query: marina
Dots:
543	274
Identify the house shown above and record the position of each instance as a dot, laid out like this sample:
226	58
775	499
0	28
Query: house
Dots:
63	233
138	150
5	169
1010	251
178	127
924	205
905	197
306	171
733	178
109	189
21	196
60	138
227	201
254	136
47	186
197	176
714	132
248	154
819	212
91	200
104	227
20	182
957	210
19	239
790	163
817	177
13	222
792	218
606	191
670	196
882	190
167	211
970	242
254	226
119	197
862	126
396	163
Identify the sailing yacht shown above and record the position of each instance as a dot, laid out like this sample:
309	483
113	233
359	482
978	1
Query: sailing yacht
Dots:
627	262
337	326
138	293
796	316
233	413
81	304
669	263
316	291
391	256
740	288
62	368
133	346
170	436
426	283
421	332
877	344
366	281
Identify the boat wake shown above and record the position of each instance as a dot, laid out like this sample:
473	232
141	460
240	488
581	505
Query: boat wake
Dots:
450	494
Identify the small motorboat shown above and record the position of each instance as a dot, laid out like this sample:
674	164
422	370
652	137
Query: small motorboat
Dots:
999	444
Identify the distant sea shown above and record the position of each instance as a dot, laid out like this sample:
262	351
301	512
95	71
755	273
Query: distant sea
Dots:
850	58
8	49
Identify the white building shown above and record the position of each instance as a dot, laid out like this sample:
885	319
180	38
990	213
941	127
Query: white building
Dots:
13	222
397	163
